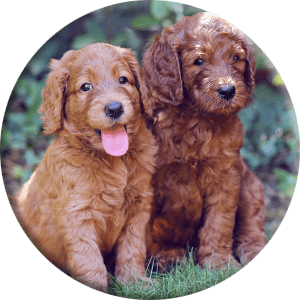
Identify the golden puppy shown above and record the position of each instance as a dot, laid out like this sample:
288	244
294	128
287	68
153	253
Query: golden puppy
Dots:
90	196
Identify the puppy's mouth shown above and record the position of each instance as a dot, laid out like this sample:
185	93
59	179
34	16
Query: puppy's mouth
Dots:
115	140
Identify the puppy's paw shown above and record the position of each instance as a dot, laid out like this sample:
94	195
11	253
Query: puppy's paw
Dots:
136	278
246	254
97	281
219	261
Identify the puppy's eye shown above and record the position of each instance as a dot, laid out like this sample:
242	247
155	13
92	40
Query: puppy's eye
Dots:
199	62
123	80
236	58
86	87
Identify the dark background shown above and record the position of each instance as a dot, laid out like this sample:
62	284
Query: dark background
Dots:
25	29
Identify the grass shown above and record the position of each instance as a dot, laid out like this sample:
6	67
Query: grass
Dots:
184	279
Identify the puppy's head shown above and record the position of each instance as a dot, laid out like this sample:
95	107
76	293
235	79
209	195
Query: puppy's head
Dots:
94	94
209	65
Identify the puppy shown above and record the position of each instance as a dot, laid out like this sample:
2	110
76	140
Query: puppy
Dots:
201	74
90	196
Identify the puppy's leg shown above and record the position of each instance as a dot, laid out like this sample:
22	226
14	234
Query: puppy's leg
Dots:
131	245
222	188
249	235
81	242
177	213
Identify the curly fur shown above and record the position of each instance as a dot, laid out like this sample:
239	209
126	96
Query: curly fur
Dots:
83	206
204	194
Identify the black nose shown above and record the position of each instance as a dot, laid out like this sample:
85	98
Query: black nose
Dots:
114	110
226	92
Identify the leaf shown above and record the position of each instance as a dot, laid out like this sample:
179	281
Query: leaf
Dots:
134	38
83	40
17	140
20	126
40	60
287	181
293	122
178	9
15	120
94	29
17	171
32	118
269	148
5	134
120	39
25	175
247	116
277	80
191	10
21	87
37	65
31	158
31	89
160	9
144	22
34	95
254	160
270	105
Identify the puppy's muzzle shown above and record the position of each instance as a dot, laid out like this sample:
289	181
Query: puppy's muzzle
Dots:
114	110
226	92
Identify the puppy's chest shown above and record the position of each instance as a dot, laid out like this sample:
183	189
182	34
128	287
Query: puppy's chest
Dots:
118	186
194	141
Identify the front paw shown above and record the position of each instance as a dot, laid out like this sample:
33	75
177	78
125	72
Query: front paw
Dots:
132	276
217	260
246	254
94	279
143	282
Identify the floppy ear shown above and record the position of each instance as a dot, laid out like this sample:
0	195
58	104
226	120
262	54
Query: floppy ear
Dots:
54	95
146	99
162	68
249	74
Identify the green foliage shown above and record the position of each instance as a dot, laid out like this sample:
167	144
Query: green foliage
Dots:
287	181
271	131
271	128
161	11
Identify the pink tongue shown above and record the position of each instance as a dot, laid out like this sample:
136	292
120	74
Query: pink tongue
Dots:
115	143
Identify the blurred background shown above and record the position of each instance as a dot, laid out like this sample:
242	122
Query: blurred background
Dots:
271	147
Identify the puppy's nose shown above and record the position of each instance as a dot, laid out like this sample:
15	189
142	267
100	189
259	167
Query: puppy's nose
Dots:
114	110
226	92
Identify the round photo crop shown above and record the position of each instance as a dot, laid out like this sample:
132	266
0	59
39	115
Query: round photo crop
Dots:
150	150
